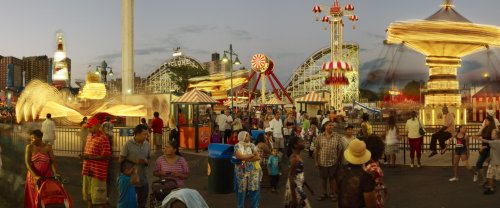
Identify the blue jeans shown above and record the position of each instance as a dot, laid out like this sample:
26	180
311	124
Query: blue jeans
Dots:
254	197
483	155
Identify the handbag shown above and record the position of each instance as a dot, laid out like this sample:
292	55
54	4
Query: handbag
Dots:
421	130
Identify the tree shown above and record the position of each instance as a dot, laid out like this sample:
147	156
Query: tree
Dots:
412	89
368	94
181	74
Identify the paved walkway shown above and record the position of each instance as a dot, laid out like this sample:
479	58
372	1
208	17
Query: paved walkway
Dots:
418	187
408	187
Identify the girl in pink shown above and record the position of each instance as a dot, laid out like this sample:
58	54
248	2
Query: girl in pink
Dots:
40	163
172	165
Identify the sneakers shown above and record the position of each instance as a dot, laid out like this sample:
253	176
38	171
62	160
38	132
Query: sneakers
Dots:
442	151
433	153
474	179
419	165
411	165
453	179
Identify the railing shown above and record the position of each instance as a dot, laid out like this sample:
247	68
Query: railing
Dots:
472	129
68	142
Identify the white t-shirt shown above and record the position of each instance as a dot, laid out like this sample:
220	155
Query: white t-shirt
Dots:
413	127
277	127
229	120
48	130
221	121
391	137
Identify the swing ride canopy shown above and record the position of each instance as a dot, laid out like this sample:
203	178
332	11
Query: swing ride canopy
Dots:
444	37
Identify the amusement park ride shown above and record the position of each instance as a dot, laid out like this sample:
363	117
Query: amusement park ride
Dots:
336	67
264	66
444	38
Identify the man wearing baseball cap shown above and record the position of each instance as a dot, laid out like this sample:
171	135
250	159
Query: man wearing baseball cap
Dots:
95	165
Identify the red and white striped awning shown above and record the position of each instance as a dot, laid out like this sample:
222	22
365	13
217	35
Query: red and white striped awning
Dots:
336	65
311	98
275	101
195	97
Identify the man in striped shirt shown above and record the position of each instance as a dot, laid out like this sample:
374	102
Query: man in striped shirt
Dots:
95	165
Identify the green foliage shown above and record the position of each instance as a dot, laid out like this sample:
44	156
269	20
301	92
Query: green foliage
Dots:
412	88
368	94
181	74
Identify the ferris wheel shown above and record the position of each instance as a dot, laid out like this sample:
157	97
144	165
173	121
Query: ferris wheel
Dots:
264	66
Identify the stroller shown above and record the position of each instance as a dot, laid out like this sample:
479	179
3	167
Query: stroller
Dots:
51	194
160	189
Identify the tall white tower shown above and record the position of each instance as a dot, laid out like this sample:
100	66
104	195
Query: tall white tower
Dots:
127	47
60	73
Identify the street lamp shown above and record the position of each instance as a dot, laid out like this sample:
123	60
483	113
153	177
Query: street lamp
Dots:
231	63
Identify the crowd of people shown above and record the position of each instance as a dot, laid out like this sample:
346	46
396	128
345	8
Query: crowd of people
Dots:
348	162
132	182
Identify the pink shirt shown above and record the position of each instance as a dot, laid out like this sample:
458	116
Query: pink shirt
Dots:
180	166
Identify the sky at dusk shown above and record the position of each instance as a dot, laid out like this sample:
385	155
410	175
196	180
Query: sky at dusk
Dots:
285	30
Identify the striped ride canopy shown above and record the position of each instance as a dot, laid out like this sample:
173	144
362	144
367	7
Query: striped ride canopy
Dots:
195	97
311	98
275	101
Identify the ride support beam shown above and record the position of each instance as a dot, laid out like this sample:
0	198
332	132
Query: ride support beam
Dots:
282	88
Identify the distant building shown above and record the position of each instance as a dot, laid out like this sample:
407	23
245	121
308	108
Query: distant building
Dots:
215	65
36	67
16	67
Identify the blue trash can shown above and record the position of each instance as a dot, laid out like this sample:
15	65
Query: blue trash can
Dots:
220	170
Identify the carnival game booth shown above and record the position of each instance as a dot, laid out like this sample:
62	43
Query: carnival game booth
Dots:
312	102
194	133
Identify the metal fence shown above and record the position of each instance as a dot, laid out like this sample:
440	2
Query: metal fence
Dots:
68	142
404	144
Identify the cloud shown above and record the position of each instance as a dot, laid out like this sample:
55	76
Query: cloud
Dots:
374	35
470	65
240	34
373	64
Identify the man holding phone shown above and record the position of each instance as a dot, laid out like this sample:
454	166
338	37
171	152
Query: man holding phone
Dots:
137	151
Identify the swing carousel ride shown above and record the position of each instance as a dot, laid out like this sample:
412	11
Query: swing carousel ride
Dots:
444	38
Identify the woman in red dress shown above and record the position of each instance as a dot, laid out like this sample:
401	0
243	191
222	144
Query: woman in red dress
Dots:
39	159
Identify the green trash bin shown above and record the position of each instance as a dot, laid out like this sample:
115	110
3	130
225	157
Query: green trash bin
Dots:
220	169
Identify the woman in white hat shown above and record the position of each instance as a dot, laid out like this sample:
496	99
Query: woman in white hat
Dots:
356	187
248	173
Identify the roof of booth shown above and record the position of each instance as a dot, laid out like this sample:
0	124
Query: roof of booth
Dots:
195	97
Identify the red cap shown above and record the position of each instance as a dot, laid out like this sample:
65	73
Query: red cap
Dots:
91	122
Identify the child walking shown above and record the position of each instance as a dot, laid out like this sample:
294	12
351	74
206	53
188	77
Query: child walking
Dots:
461	152
273	168
494	167
126	181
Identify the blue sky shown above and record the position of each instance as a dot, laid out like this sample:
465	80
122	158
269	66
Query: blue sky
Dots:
283	29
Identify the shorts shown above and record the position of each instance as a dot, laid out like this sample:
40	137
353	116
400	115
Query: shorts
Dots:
493	172
96	189
279	143
157	139
460	151
328	172
391	149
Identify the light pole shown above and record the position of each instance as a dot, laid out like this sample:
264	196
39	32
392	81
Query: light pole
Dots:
231	63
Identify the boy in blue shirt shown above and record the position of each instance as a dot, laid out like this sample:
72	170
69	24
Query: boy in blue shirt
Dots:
273	168
126	181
